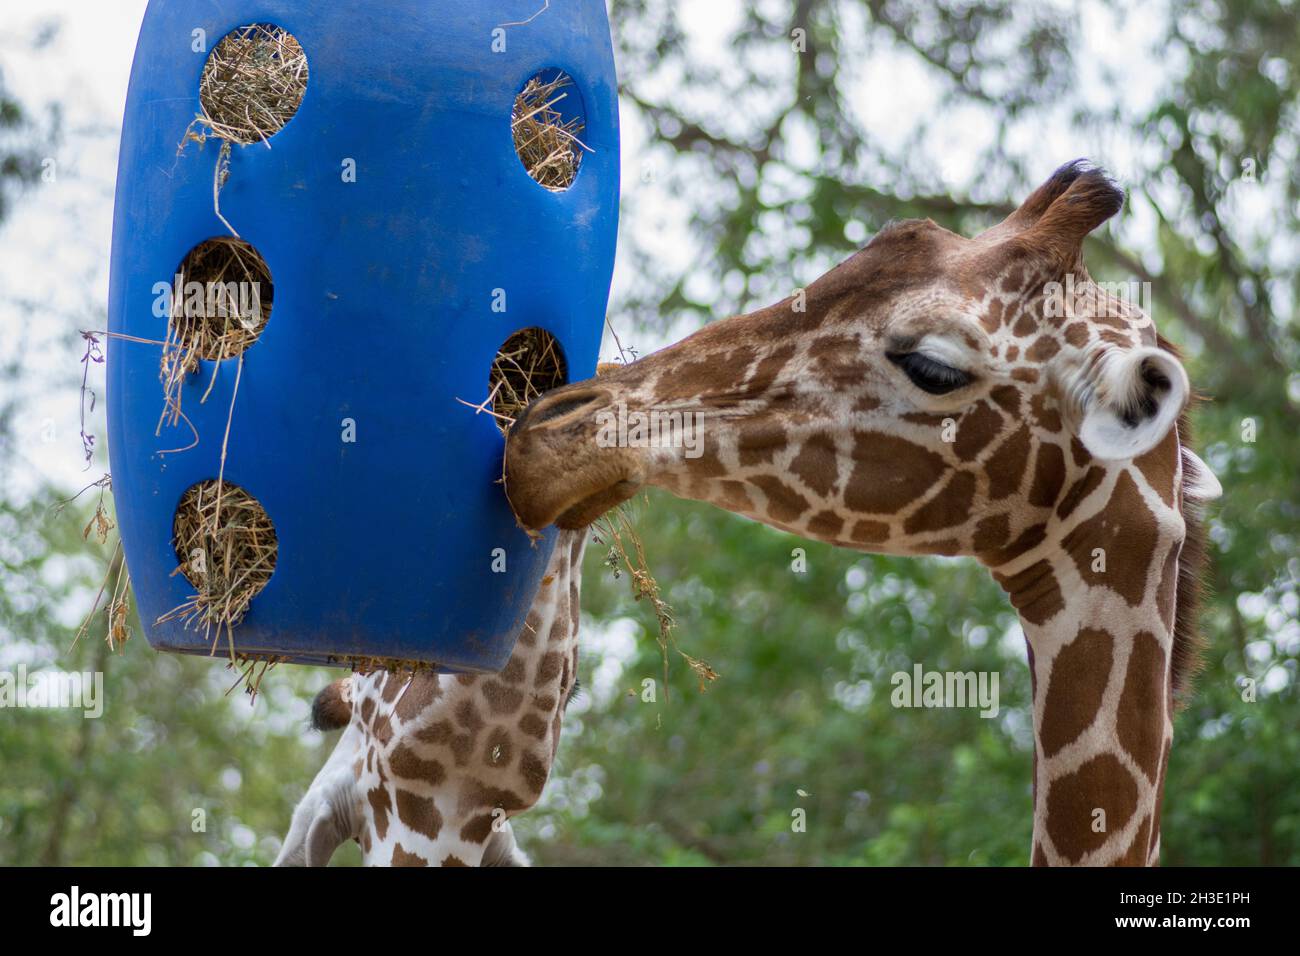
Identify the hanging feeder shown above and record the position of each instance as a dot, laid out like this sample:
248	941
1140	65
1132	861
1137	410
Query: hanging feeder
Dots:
335	235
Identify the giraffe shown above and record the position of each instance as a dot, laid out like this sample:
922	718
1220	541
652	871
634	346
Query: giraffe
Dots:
430	768
935	394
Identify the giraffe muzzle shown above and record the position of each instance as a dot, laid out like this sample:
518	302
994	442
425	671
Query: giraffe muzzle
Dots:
555	470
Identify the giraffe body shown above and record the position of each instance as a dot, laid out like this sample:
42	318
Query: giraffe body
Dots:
941	395
430	768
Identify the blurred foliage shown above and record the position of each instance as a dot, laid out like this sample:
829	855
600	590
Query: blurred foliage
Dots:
176	771
21	141
779	163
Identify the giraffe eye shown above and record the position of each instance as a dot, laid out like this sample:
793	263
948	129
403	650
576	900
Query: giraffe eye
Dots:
927	374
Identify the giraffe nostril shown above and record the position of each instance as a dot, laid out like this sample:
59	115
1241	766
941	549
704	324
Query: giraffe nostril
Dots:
551	407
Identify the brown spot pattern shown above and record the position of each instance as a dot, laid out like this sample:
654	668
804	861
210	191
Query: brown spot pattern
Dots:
1008	399
419	813
422	691
888	473
381	804
870	532
532	725
548	668
1079	491
467	716
1126	530
501	699
1045	413
759	440
534	771
514	672
992	532
951	506
477	829
1006	466
1100	783
784	504
1076	334
402	858
439	732
406	763
1043	349
1049	476
1075	688
825	524
816	465
1159	465
975	430
1142	706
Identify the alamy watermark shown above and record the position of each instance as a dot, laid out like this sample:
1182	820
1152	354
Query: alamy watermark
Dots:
656	428
133	911
922	688
241	301
1094	298
50	689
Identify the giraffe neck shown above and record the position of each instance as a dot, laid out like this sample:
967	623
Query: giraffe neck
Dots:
1102	731
445	760
1097	604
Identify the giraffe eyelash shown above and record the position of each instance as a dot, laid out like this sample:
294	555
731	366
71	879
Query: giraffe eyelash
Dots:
573	692
929	375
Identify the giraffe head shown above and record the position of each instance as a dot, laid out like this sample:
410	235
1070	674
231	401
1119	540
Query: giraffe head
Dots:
931	394
941	395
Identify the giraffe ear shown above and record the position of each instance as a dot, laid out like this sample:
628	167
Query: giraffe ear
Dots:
1201	483
1134	403
1056	217
1090	199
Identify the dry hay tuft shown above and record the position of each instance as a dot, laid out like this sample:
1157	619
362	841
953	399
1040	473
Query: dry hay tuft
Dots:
548	145
252	84
626	551
527	364
117	630
365	664
230	316
227	547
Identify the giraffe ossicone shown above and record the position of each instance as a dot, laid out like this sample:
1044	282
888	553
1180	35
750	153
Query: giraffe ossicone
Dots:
935	394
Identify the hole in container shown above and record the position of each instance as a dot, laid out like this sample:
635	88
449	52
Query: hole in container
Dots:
528	364
252	83
547	124
221	300
227	548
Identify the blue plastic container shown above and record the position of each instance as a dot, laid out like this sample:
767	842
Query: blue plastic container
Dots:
383	314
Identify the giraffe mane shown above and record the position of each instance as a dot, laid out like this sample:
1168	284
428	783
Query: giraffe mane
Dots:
1188	641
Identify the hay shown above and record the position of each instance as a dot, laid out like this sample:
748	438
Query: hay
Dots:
527	364
252	84
616	529
364	664
221	324
548	146
226	545
117	631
